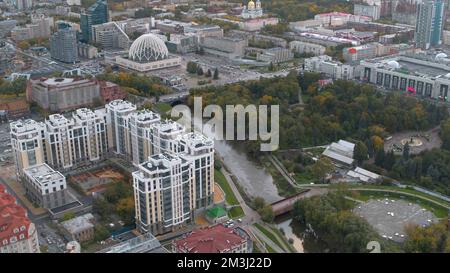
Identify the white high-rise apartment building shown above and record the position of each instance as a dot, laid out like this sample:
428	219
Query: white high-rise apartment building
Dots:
165	136
176	169
27	143
140	123
199	150
117	112
163	193
80	139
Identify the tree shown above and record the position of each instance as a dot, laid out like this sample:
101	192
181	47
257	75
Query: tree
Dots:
216	74
360	152
389	160
431	239
271	67
445	134
406	151
321	168
67	216
23	45
191	67
199	71
125	209
101	233
267	214
379	158
259	203
208	73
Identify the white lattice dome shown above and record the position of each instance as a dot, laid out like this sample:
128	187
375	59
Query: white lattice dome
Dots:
148	47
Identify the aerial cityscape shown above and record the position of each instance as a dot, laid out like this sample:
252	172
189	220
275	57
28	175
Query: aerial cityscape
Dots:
213	126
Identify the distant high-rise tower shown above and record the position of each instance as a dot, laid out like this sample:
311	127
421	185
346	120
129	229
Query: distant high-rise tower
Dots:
94	15
429	24
63	45
23	4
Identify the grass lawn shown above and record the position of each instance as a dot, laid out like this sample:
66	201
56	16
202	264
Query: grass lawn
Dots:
236	212
406	190
305	177
439	211
230	198
162	107
269	235
281	235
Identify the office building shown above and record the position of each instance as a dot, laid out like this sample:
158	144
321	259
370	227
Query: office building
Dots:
63	94
63	45
275	55
94	15
307	48
229	47
40	27
18	234
423	75
23	4
110	36
429	24
44	186
324	64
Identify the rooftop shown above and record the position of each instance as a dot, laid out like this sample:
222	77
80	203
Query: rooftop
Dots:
79	223
215	239
43	173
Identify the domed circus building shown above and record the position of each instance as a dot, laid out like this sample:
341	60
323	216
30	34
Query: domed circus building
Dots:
147	53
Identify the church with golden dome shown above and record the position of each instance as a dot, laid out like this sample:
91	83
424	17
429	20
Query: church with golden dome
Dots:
252	10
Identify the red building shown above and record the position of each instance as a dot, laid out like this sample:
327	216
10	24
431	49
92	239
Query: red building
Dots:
16	108
110	91
214	239
17	233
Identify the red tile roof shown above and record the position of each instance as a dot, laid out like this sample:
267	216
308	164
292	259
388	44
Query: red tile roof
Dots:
215	239
13	220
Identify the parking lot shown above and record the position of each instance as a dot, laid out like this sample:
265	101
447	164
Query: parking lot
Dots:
389	216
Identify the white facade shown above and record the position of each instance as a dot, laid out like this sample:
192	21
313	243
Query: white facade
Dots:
309	48
27	141
324	64
163	194
116	116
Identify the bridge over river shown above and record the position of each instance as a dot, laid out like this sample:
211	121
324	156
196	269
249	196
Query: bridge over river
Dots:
286	205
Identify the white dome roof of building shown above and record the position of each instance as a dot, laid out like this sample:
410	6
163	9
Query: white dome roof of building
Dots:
394	64
441	56
148	47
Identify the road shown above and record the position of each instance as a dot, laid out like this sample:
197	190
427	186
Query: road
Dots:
251	216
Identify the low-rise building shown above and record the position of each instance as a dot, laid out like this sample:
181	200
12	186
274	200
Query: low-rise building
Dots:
324	64
17	233
16	108
44	186
214	239
225	47
275	55
307	48
63	94
80	229
110	91
340	152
